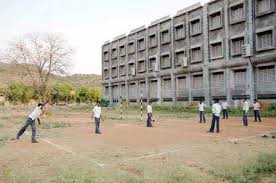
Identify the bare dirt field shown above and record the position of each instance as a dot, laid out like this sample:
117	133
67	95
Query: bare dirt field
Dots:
174	150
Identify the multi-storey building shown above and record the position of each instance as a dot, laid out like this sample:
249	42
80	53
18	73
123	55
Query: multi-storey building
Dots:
199	54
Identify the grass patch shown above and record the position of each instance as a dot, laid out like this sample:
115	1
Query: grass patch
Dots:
2	125
252	171
55	124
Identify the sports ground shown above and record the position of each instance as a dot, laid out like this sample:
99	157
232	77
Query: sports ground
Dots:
176	149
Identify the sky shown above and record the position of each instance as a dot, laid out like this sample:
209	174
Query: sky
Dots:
85	24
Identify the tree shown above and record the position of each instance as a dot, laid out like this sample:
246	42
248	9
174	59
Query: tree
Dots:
41	56
18	92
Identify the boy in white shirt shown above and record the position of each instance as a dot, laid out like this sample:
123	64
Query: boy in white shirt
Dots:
225	109
256	107
97	114
149	111
216	109
245	108
201	107
31	121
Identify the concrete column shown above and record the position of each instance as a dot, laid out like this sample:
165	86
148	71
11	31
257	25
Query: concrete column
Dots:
138	94
226	33
127	92
206	85
251	81
110	93
147	89
228	85
159	94
189	84
173	88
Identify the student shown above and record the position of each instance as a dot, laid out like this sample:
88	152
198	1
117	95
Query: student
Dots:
149	111
256	107
201	107
216	109
225	109
245	108
31	121
97	113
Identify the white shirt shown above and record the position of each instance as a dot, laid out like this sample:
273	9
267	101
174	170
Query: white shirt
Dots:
256	106
245	106
216	109
149	109
97	111
201	106
36	113
224	105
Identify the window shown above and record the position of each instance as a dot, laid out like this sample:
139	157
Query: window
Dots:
152	41
266	73
264	40
236	13
122	70
217	79
236	46
263	6
179	32
215	20
165	37
165	61
122	51
114	53
114	72
106	74
166	88
141	44
152	63
196	55
216	50
131	48
240	77
141	66
106	56
197	81
106	91
130	67
179	58
195	27
181	86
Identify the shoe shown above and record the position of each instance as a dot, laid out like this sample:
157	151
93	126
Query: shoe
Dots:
17	137
210	131
217	131
34	141
98	132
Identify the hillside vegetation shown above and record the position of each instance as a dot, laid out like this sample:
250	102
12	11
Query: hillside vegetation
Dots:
14	73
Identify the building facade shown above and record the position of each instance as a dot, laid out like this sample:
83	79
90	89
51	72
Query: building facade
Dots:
198	54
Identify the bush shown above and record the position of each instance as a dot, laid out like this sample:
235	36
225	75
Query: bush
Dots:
18	92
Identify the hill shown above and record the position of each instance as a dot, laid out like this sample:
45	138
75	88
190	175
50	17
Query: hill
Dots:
13	73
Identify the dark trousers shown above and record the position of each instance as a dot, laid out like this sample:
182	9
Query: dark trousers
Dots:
97	125
23	129
225	113
244	119
215	122
149	120
257	115
202	117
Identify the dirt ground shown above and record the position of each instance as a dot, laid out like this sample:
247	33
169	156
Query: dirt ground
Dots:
128	146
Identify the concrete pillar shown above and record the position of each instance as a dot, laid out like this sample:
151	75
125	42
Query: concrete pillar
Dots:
228	85
251	81
189	84
173	89
147	89
127	92
206	85
159	94
206	60
110	93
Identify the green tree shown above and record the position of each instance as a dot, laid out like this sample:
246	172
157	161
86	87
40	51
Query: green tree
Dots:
18	92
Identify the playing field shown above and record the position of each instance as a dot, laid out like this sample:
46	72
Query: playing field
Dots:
176	149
